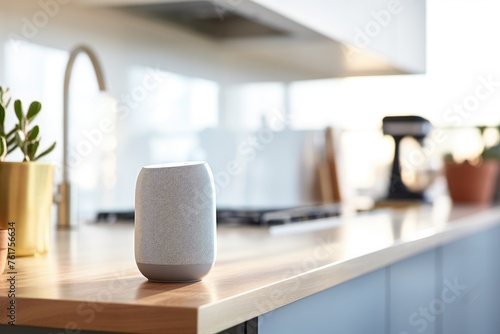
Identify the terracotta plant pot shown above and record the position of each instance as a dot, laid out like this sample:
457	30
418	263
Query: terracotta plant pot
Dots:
470	183
3	250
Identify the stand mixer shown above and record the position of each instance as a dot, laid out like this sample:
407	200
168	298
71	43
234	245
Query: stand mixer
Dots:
400	127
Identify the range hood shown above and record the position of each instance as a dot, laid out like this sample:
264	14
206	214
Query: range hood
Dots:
217	21
252	32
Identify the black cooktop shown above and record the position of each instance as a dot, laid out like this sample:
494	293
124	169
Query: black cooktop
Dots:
249	216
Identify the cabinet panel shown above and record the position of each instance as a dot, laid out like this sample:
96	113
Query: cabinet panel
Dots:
471	271
354	307
412	295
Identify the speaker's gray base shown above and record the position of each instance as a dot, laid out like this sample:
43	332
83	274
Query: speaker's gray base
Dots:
174	273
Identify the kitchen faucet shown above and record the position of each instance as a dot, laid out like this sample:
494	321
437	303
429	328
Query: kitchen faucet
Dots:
64	190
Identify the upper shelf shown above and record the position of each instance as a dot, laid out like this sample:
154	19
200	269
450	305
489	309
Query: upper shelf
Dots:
298	40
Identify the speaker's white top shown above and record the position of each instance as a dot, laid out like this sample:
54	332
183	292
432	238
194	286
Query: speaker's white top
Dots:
177	164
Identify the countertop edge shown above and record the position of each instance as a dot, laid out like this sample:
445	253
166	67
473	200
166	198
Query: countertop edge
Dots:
52	313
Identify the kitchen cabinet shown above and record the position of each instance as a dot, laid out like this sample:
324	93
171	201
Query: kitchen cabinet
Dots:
385	301
451	289
355	307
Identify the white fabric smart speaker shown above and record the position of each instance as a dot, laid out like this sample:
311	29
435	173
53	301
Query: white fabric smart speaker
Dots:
175	228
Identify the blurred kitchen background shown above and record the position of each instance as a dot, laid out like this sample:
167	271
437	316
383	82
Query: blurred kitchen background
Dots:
255	107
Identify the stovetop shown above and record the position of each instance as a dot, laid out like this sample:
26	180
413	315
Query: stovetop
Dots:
250	216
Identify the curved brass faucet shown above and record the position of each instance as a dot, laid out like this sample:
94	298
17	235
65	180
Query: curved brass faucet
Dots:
64	205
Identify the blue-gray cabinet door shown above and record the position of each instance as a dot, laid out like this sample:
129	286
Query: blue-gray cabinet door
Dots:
354	307
471	273
412	295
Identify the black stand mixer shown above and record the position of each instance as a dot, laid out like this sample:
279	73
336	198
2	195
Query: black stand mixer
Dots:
400	127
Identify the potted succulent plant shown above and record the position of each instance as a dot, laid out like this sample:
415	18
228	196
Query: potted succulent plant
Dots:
26	188
474	181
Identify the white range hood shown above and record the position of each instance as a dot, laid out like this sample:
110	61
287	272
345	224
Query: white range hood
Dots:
296	36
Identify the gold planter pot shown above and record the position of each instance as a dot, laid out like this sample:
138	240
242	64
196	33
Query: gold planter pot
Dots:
26	198
4	242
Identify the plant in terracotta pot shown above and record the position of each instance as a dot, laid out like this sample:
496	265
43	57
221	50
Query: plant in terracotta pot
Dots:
26	188
474	181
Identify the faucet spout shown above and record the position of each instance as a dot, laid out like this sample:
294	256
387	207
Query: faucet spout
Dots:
64	189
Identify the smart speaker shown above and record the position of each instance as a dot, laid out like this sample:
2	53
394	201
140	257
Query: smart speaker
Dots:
175	232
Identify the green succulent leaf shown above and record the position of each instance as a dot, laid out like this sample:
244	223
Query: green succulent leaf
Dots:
33	134
31	150
3	93
20	138
491	153
11	149
481	129
2	118
47	151
28	141
3	148
33	110
12	141
18	108
12	132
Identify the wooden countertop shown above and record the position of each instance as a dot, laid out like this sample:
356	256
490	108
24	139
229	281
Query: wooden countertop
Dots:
89	279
